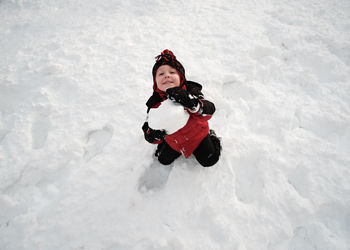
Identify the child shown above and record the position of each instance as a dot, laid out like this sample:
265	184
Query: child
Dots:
169	82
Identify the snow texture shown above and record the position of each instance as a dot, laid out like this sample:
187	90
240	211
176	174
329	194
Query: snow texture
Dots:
169	116
76	172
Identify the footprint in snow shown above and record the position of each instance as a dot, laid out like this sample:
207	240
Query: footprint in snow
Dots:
154	177
96	141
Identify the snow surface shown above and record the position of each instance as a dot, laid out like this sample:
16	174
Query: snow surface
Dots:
74	79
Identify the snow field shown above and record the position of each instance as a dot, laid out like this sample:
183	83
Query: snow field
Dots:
74	77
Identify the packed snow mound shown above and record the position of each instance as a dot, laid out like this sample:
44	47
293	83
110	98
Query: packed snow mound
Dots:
169	116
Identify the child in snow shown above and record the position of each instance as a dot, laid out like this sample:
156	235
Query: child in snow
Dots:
169	82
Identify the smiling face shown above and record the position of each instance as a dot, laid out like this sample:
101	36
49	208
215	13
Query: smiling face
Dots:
167	77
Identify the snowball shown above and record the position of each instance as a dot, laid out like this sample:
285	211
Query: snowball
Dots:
169	116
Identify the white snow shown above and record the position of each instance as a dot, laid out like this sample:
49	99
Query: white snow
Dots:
74	79
169	116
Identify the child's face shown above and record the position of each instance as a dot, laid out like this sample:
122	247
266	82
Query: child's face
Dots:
167	77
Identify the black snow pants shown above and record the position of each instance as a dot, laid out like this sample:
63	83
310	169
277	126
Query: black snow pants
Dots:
207	153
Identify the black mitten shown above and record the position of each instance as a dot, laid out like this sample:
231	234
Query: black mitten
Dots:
152	135
182	97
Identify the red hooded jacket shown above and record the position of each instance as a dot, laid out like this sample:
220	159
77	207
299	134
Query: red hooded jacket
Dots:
187	139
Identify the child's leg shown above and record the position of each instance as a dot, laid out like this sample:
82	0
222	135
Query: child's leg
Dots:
208	151
166	155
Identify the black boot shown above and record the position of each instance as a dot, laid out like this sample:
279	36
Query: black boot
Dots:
216	141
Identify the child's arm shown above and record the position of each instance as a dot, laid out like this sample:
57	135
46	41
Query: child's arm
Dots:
153	135
193	99
208	108
181	96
